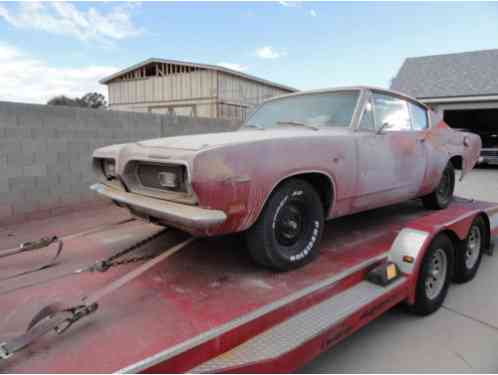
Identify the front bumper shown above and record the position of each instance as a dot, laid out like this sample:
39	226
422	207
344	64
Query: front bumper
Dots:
489	156
174	214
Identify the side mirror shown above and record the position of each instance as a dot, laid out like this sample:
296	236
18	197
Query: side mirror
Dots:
385	126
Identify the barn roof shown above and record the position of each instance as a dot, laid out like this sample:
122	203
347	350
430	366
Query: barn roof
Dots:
196	65
452	75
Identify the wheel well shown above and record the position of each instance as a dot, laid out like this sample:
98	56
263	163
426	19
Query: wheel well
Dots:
321	183
457	161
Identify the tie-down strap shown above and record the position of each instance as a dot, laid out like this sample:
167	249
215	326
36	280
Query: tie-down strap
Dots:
58	317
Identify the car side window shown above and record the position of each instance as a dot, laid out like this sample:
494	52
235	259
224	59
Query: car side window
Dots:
367	121
419	117
391	113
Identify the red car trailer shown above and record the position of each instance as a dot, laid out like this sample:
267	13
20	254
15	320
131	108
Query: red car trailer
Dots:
208	308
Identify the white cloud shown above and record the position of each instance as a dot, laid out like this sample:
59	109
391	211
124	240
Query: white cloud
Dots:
290	4
312	13
268	52
233	66
27	79
66	19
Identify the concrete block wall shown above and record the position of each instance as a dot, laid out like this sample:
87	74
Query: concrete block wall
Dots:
45	153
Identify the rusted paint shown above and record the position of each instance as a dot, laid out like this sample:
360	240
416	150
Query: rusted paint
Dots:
235	172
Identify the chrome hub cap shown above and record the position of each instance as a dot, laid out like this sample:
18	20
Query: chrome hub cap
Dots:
473	247
436	277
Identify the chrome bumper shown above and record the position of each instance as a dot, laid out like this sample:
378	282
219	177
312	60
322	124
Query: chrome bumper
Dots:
171	213
489	156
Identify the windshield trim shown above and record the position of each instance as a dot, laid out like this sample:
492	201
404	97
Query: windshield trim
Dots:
351	90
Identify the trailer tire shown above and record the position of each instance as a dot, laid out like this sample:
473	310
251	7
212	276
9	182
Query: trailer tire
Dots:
288	231
434	276
443	194
469	258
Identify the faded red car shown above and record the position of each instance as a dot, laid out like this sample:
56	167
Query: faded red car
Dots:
298	160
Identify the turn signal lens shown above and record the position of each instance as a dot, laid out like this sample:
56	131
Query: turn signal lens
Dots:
109	167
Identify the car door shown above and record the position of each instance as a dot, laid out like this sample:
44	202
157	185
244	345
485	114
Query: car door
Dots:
391	160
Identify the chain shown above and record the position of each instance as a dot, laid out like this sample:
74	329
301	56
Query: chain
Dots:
112	261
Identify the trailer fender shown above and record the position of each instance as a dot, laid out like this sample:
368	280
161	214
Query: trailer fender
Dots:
492	218
410	245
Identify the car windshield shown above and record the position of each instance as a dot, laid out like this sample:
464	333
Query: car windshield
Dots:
332	109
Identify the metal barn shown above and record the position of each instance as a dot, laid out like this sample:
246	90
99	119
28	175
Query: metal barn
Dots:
188	89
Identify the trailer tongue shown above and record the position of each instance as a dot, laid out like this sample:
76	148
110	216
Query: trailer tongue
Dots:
208	308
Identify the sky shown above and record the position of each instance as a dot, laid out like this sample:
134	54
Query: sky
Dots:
49	49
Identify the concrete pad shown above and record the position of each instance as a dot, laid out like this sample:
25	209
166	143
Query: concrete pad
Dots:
401	342
478	298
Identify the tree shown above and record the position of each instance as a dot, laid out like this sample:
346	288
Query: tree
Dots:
90	100
94	100
63	100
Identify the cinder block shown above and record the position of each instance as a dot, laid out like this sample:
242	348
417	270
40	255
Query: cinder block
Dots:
19	132
20	159
22	183
44	133
10	171
9	145
11	197
29	116
8	117
45	182
33	145
48	156
80	147
4	184
36	170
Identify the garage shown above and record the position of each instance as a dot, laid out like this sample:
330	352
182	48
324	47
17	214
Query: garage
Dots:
463	87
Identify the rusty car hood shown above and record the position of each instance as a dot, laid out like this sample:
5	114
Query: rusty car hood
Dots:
205	141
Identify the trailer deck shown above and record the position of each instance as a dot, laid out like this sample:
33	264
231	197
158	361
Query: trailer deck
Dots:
209	308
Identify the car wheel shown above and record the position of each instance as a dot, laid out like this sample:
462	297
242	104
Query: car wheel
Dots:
469	259
443	194
288	230
434	276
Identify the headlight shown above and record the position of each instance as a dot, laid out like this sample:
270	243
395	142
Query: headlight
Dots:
166	177
109	168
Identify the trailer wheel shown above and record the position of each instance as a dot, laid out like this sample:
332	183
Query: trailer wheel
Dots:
441	197
435	276
469	259
288	230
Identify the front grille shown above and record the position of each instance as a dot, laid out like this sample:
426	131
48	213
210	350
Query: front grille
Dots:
148	175
490	153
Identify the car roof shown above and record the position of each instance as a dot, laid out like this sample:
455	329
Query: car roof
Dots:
351	88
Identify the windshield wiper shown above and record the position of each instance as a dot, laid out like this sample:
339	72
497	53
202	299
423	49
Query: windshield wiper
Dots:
295	123
254	126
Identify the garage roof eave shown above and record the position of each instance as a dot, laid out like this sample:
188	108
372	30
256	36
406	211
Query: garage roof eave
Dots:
460	99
